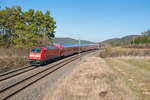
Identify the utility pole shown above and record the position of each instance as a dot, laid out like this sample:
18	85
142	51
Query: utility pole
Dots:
98	45
79	43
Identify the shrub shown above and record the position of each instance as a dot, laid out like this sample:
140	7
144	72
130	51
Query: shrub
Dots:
107	52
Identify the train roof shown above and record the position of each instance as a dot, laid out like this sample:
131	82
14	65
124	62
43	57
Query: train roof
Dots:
63	45
51	47
47	47
73	45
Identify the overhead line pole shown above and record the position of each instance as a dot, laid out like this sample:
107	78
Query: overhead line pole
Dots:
79	43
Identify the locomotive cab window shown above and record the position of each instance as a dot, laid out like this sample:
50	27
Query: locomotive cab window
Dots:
36	50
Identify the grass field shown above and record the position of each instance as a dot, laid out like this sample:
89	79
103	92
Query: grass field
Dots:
134	72
91	80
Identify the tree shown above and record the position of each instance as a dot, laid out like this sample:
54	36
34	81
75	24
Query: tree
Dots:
145	39
146	33
23	29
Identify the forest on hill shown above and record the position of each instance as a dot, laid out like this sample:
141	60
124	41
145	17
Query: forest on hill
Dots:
144	39
24	29
136	41
120	41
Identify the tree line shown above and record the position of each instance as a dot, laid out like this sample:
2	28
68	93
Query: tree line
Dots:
24	29
144	39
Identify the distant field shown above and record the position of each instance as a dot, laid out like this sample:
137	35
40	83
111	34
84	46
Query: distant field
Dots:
134	72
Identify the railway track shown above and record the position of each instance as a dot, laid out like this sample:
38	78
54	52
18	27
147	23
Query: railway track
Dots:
16	72
10	87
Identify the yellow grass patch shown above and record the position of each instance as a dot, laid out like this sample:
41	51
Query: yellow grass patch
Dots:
135	72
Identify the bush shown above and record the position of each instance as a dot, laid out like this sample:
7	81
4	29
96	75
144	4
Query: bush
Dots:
107	52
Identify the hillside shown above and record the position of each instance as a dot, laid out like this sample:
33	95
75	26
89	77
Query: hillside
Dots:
121	41
70	40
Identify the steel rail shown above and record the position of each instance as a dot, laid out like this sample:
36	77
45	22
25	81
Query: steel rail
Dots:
18	72
14	70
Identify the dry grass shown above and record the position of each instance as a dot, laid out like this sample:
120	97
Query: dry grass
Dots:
9	63
91	80
11	58
118	52
135	72
145	45
13	52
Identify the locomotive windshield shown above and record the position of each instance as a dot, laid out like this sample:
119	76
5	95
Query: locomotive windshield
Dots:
36	50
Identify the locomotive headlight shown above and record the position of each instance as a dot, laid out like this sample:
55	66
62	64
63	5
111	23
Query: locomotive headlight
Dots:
37	55
34	55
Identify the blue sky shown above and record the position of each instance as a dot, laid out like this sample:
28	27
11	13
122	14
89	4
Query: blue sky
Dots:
94	20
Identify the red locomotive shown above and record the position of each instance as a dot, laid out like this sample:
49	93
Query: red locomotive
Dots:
40	55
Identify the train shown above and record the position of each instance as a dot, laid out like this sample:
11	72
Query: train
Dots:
39	55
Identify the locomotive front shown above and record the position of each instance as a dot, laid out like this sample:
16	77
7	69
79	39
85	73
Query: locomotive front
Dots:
35	56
